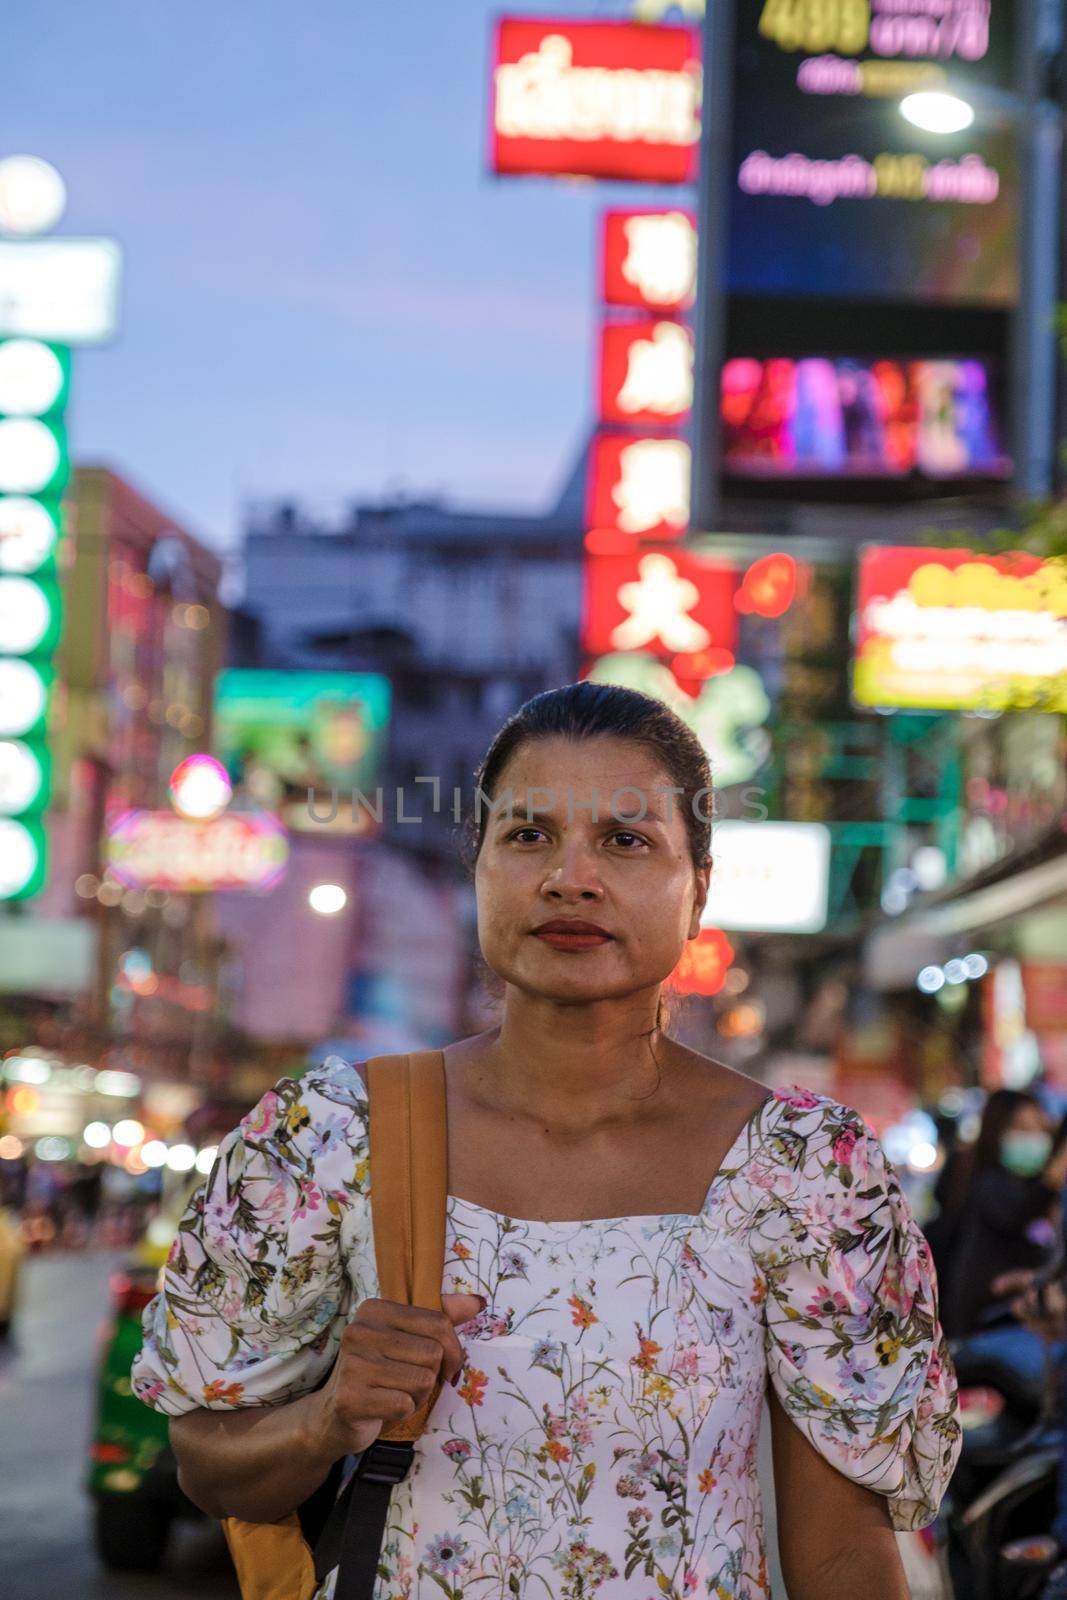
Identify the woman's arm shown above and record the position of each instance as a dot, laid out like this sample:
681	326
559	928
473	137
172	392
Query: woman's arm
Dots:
260	1462
835	1538
257	1464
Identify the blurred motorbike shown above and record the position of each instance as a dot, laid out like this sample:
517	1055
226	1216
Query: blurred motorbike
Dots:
1001	1502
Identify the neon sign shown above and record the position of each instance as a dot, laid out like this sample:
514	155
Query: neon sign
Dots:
646	372
948	629
159	850
639	486
597	99
665	602
648	259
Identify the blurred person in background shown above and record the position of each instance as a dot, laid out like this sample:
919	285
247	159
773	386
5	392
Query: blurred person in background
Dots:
999	1205
1041	1309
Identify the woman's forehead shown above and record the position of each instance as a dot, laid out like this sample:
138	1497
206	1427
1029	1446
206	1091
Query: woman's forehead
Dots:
603	760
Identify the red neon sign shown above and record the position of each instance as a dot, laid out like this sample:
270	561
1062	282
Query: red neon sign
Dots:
646	372
639	486
666	603
596	99
648	259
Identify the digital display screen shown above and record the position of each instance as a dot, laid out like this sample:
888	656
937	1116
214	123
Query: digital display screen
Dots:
833	191
838	418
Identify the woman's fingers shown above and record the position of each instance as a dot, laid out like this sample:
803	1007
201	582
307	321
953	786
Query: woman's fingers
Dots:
409	1333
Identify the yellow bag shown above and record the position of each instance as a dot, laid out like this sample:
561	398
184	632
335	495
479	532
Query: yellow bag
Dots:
409	1181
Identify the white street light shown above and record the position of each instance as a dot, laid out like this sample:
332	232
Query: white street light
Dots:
33	196
181	1158
937	112
327	899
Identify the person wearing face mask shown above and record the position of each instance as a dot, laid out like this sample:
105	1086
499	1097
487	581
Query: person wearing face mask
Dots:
1006	1207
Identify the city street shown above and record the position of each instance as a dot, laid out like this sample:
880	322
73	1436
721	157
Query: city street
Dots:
46	1396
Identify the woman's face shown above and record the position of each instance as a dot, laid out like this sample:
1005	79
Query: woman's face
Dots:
588	853
1028	1119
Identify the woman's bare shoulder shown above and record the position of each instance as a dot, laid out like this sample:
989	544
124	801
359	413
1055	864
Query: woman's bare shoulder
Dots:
723	1085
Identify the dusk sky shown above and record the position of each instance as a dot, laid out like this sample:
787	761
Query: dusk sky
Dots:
327	296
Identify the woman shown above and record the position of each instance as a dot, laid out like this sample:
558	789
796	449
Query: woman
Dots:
639	1238
1005	1197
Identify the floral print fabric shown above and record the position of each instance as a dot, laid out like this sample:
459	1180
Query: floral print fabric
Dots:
602	1438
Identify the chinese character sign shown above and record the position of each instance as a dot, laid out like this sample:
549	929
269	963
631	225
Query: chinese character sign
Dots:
646	372
639	486
597	99
667	603
649	259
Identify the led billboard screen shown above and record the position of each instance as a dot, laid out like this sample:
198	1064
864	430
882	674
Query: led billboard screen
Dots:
837	418
833	191
596	99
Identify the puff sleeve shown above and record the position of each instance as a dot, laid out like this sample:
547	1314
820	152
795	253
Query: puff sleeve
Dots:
855	1350
269	1257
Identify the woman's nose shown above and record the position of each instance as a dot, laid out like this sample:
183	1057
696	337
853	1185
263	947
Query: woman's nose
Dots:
574	871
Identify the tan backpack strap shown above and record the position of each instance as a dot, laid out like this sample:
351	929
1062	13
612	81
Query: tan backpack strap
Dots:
409	1184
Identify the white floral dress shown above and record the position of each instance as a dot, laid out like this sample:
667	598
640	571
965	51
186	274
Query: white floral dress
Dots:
603	1435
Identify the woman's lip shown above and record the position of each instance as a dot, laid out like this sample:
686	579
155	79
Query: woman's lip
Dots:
573	941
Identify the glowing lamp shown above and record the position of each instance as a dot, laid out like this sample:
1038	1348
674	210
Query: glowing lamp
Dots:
200	788
33	196
327	899
935	111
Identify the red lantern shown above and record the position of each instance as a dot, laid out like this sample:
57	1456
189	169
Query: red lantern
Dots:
704	964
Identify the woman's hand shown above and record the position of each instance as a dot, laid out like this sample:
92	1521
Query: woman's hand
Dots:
390	1358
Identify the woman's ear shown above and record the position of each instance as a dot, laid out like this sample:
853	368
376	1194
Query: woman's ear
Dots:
700	899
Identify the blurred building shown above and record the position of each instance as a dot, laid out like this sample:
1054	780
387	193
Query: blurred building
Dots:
468	613
465	616
143	639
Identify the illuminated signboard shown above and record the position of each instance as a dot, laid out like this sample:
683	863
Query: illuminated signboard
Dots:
34	467
951	630
596	99
646	372
834	192
65	289
303	741
667	603
160	850
769	877
824	418
648	259
639	486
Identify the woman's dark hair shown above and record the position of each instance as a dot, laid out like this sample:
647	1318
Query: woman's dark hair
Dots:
582	711
1000	1108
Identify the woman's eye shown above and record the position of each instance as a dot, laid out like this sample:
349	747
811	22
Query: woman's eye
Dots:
624	833
519	831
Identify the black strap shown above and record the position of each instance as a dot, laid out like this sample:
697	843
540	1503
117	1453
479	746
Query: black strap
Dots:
355	1529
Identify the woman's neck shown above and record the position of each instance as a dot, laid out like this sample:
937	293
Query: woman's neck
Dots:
571	1067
